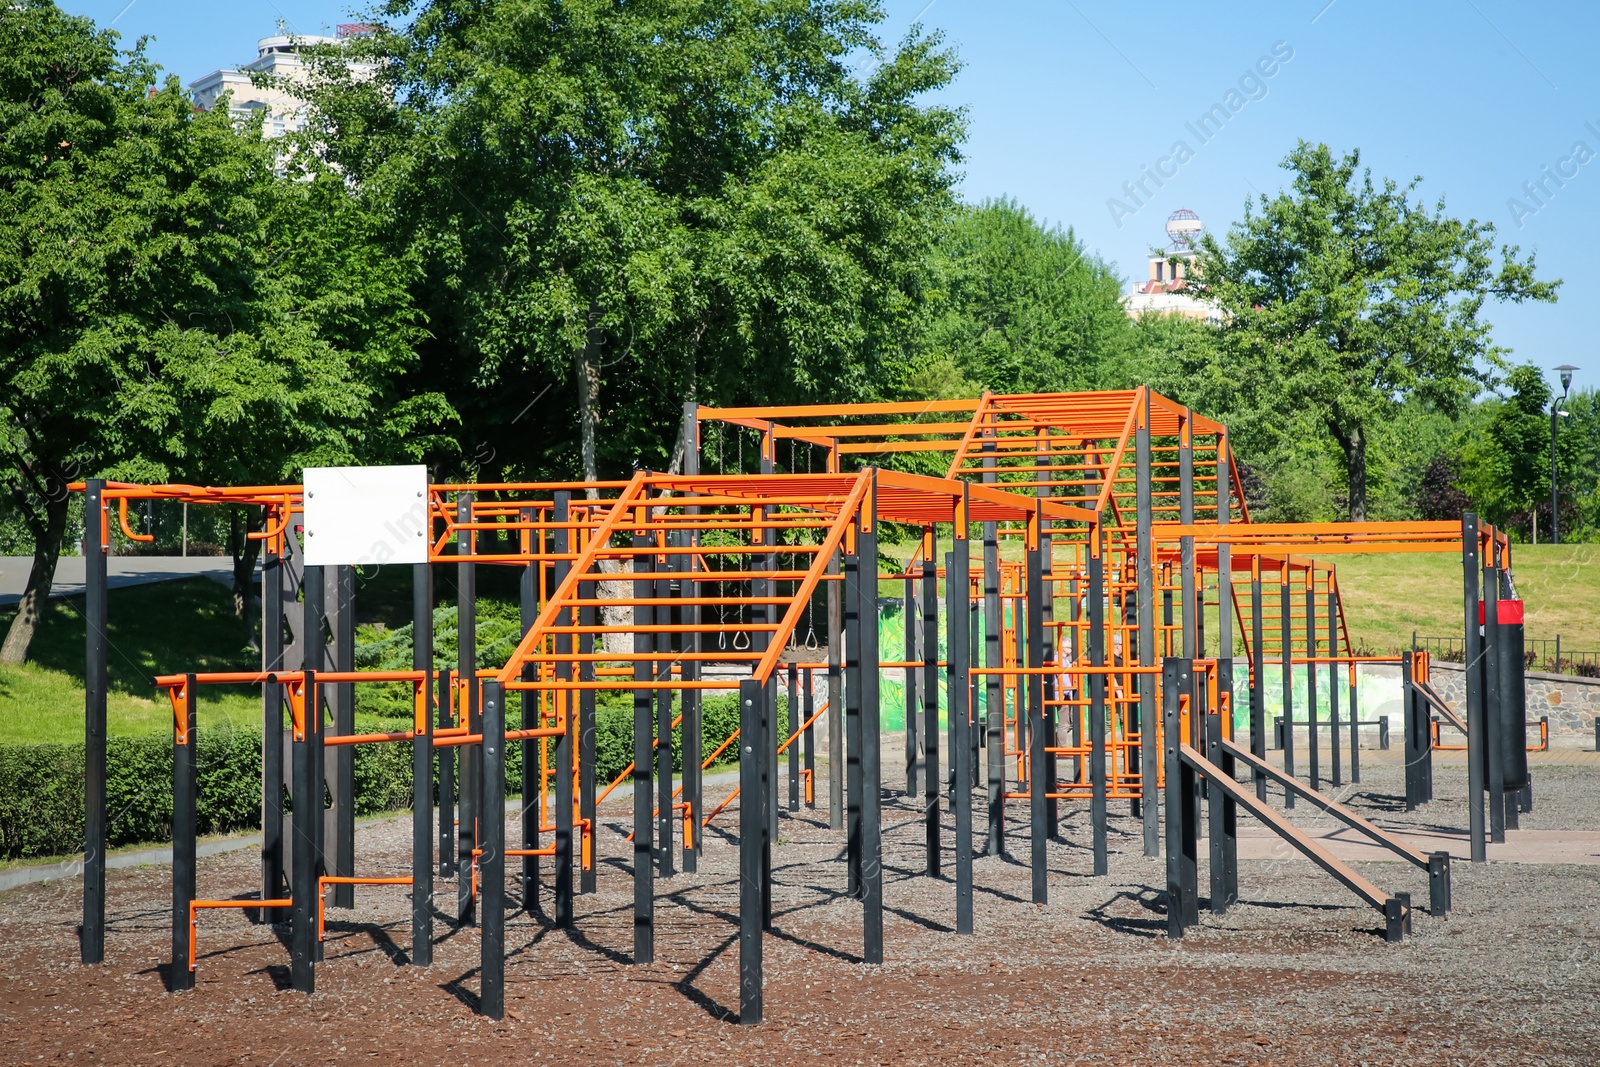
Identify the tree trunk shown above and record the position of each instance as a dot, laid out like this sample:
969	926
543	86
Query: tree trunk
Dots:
42	575
1355	465
586	368
244	553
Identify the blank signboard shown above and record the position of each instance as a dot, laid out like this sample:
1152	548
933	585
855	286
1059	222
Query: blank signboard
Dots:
360	516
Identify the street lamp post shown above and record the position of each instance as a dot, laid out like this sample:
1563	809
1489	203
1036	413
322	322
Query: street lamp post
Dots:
1565	370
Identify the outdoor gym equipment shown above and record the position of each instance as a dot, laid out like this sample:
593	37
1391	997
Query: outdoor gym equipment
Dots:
1136	549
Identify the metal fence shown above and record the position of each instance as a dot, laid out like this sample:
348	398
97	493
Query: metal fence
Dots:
1543	653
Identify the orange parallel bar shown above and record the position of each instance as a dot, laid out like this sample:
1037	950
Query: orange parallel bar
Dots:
196	905
823	411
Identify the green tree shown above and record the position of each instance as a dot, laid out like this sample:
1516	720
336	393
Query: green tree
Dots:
1350	297
1505	470
164	309
1019	307
620	208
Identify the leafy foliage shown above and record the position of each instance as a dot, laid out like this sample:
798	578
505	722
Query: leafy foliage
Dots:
1352	297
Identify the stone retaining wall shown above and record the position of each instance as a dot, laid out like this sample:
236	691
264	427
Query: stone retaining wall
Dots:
1571	703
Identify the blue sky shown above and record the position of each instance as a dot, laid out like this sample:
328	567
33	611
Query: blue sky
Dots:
1071	99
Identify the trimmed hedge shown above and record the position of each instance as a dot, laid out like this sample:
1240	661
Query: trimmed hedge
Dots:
41	786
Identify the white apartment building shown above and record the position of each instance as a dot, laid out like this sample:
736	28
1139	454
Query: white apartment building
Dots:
279	58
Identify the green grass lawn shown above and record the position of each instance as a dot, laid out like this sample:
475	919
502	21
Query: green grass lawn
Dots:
166	628
1388	596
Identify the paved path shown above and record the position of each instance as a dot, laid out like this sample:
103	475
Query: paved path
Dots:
121	572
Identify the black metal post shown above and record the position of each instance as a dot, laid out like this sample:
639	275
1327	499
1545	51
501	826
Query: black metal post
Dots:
532	815
1286	639
272	866
1097	695
492	858
1489	664
932	779
693	727
871	768
1476	747
1149	755
1038	783
588	617
957	579
92	937
808	711
567	709
422	768
852	716
343	625
447	776
836	697
994	721
643	826
912	617
792	729
471	758
665	861
751	832
1311	678
1336	746
1181	814
184	797
307	867
1258	679
311	819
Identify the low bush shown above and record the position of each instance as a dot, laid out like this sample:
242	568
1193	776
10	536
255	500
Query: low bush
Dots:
41	786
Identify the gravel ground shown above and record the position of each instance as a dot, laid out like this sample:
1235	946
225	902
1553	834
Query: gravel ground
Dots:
1298	973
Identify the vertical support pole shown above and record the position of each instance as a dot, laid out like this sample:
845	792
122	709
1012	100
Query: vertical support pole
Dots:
307	865
1037	776
808	712
643	827
313	823
1476	729
1286	640
994	684
184	795
1225	612
912	619
1182	857
471	758
588	617
932	779
1336	746
871	768
422	767
751	832
665	863
792	730
1489	664
566	706
1188	608
1258	676
693	728
836	696
854	676
343	625
1312	725
532	778
1224	815
1355	730
92	938
1097	693
1149	753
1416	731
957	582
447	777
271	727
492	860
1048	653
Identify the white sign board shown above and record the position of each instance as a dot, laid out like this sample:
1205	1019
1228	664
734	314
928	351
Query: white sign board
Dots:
361	516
